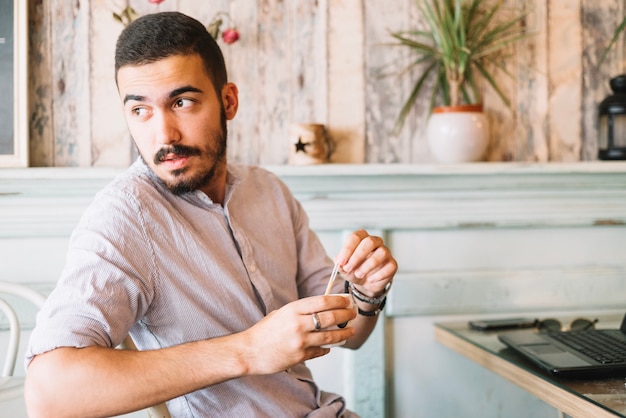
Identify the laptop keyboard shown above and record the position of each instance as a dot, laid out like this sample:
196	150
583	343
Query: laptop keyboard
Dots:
603	347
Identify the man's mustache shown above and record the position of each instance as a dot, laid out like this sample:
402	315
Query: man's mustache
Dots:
177	150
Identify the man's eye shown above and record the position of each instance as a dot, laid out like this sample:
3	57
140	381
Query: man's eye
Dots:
139	111
182	103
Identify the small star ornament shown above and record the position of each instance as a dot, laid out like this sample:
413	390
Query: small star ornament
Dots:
308	144
301	146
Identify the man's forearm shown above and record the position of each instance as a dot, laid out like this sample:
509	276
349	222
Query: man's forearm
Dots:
97	381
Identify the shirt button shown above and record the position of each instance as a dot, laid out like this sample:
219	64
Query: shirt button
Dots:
252	268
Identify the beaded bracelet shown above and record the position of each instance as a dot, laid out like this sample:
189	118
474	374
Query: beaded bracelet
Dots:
380	301
363	298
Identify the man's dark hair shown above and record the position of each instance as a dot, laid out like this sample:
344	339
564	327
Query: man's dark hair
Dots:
161	35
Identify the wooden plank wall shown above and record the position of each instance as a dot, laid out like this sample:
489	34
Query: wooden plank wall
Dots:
321	61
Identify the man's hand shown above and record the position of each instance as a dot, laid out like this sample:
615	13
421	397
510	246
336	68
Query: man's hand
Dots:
288	336
367	263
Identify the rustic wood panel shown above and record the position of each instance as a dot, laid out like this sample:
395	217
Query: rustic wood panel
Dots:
321	62
386	90
529	143
70	82
518	130
565	89
41	147
110	140
242	58
273	80
598	23
525	137
309	62
346	80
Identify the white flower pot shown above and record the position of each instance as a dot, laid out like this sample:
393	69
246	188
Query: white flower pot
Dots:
458	134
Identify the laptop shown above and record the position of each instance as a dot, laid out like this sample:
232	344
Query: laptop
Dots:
571	353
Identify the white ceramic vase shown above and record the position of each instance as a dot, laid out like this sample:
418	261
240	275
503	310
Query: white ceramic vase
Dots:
458	134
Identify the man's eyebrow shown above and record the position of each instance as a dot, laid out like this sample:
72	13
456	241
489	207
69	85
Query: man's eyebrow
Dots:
185	89
173	93
133	97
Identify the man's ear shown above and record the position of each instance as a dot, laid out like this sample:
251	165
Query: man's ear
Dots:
230	99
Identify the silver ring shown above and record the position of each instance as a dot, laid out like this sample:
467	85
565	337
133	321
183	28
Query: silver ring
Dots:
316	322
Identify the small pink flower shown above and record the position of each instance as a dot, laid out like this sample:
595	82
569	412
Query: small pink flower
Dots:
230	35
156	1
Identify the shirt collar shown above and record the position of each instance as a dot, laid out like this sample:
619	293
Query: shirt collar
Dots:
234	176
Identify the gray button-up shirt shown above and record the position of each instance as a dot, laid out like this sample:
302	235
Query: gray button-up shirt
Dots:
172	269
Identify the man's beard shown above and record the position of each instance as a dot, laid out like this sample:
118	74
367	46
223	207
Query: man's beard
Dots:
182	184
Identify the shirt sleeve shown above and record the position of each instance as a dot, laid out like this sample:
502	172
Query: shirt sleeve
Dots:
105	284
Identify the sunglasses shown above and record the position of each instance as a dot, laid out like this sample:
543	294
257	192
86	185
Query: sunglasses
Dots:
552	324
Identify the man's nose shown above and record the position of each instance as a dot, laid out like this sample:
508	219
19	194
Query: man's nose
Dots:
166	128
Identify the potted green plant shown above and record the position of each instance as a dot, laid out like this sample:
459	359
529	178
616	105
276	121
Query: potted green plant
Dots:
464	40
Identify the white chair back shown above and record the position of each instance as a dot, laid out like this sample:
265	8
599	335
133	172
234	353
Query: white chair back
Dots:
37	299
29	295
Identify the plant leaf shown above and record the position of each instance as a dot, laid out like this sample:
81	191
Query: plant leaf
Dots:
412	97
492	83
620	28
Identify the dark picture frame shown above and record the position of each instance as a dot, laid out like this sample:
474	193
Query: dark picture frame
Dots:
13	83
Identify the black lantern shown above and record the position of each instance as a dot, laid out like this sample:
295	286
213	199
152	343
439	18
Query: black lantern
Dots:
612	113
